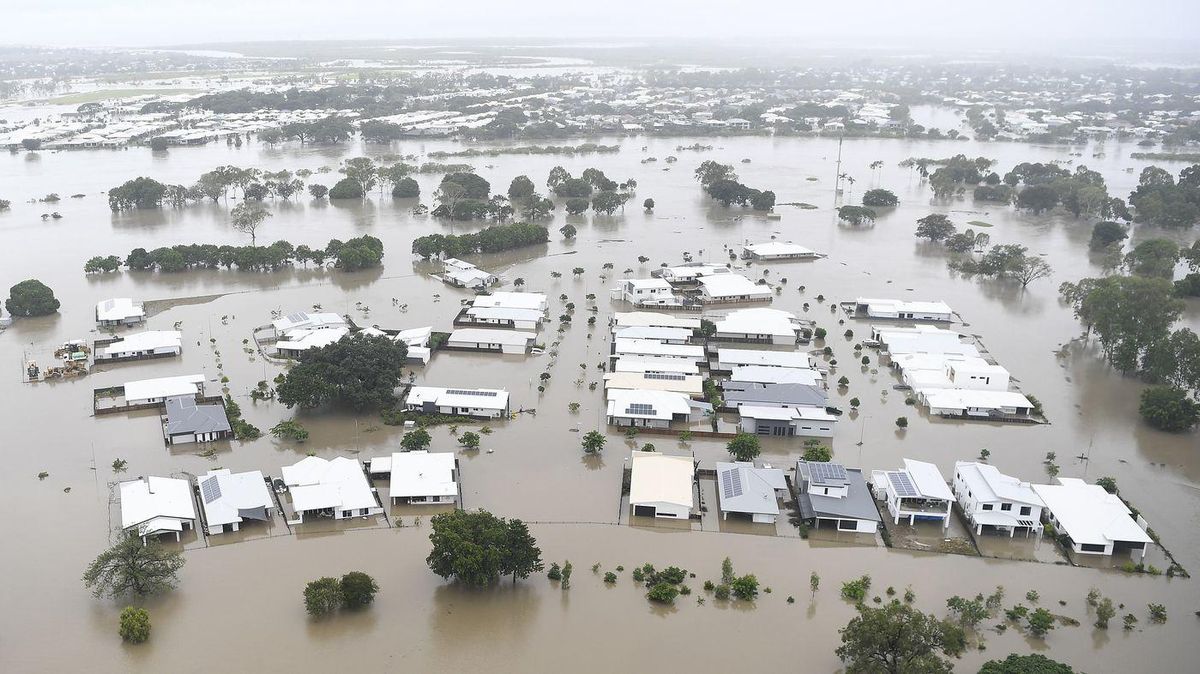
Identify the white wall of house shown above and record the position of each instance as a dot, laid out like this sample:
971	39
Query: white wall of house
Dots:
664	510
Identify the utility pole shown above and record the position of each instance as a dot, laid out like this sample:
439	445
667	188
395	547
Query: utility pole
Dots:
837	180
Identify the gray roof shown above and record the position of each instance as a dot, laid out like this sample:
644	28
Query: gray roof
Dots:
801	395
744	488
858	504
184	415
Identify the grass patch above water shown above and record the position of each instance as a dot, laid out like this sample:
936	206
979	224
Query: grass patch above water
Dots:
979	223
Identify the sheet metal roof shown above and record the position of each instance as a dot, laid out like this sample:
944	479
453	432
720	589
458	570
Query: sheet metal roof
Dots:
228	498
1089	514
661	478
744	488
422	473
184	415
148	498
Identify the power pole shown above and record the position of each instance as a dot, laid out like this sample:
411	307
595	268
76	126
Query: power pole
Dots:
837	180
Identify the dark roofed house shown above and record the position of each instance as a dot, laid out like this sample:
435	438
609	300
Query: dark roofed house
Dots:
746	489
188	421
832	493
738	393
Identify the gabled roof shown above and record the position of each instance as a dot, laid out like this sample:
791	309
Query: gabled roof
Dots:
486	336
650	347
422	473
758	321
903	306
856	504
732	285
797	359
770	248
150	498
989	484
144	341
643	404
775	375
1089	514
228	498
652	333
654	320
316	483
791	395
661	478
928	480
303	339
118	308
484	398
744	488
512	300
184	415
164	387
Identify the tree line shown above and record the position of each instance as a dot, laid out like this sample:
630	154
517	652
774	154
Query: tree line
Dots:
351	255
488	240
720	182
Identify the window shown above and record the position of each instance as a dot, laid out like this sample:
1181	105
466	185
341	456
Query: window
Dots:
987	506
1025	510
1092	547
1006	506
347	513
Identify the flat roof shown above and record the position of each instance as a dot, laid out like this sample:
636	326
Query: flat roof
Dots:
731	356
778	248
635	364
422	473
732	285
661	478
650	347
511	300
653	333
759	321
775	375
928	480
691	384
303	339
163	387
964	398
654	319
144	341
645	404
458	397
920	307
1089	514
506	314
486	336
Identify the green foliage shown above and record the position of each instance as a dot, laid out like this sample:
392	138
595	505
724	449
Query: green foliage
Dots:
357	253
663	593
139	193
744	447
1109	484
406	188
135	625
476	548
1129	314
879	197
1158	613
1106	233
898	638
361	371
1155	258
469	440
901	422
322	596
1039	621
488	240
856	215
358	590
727	575
856	590
1169	409
346	188
935	227
416	440
555	572
1105	611
131	568
107	264
31	297
291	430
721	592
1160	200
610	578
815	451
593	442
1034	663
745	587
968	612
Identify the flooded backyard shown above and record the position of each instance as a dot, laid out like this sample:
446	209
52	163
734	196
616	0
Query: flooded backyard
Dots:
241	593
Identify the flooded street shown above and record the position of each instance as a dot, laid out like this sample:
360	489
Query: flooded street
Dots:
242	600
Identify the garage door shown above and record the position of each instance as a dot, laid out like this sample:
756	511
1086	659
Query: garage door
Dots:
644	511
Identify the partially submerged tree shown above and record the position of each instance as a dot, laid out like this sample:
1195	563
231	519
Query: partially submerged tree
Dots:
130	567
247	218
476	548
899	639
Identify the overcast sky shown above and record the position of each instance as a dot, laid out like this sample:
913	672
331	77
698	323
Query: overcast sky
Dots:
1016	24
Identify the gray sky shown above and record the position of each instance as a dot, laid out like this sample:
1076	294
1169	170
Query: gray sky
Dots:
917	24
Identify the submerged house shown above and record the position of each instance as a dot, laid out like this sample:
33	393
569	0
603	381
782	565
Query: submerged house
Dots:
417	341
900	309
498	341
976	404
748	490
156	391
188	421
652	409
296	342
645	292
1094	521
830	493
689	384
466	275
468	402
152	506
786	421
511	300
992	499
739	393
652	319
119	311
336	488
729	288
654	350
661	485
916	492
148	344
302	320
777	250
758	325
229	499
690	274
729	358
419	477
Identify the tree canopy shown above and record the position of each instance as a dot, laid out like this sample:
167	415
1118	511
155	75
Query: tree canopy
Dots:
879	197
898	639
358	370
855	215
476	548
1169	409
744	447
31	297
131	568
1034	663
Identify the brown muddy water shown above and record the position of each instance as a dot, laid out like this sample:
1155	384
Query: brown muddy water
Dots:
238	605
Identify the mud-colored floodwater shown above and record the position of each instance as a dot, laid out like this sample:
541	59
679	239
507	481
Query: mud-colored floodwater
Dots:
238	605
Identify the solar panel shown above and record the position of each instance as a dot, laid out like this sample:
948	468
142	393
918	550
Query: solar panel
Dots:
828	472
210	489
731	483
902	485
466	392
297	317
640	408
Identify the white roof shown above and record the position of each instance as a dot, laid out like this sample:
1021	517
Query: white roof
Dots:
505	314
118	308
691	384
794	359
302	319
650	347
928	480
163	387
903	306
458	397
651	319
485	336
775	375
317	483
414	336
771	248
1089	514
648	283
744	488
661	404
732	285
512	300
691	271
145	341
956	398
785	413
924	339
455	263
759	321
303	339
634	364
225	495
655	333
987	483
422	474
661	478
149	498
469	277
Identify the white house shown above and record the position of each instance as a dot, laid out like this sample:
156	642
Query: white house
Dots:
901	309
484	339
148	344
721	288
645	292
925	339
664	335
119	311
990	498
188	421
1095	521
470	402
970	404
302	320
651	409
831	493
763	325
728	358
229	499
466	275
661	485
149	391
917	492
511	300
647	365
691	273
417	341
421	477
786	421
152	506
977	374
687	384
777	250
745	489
503	317
763	374
651	319
336	488
299	340
649	349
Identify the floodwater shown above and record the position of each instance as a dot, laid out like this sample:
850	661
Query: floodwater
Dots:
239	602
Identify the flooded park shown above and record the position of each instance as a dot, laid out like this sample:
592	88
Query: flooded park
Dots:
238	604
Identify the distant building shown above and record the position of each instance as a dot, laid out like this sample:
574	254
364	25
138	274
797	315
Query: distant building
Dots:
482	339
119	311
149	344
777	250
728	288
466	275
470	402
900	309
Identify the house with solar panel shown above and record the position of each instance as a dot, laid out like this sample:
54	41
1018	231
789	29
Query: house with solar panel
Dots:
661	485
154	506
832	495
746	490
467	402
997	501
230	499
652	409
917	492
